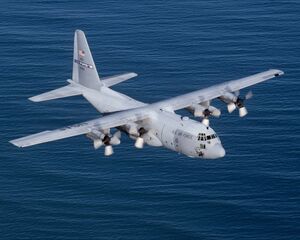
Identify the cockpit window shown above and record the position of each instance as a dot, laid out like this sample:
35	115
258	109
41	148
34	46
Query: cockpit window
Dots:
212	136
203	137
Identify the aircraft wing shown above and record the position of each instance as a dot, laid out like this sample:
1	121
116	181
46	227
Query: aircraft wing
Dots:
216	91
109	121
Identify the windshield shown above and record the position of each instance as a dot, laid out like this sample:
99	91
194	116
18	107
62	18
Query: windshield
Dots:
203	137
209	137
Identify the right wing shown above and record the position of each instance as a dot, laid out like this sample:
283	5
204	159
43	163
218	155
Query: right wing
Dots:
216	91
110	121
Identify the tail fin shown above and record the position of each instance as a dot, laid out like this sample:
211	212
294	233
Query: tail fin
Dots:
84	74
84	68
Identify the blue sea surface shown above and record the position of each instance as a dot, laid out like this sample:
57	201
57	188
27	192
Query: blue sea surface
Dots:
67	190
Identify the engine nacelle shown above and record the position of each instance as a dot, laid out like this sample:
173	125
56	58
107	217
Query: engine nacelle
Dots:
197	110
131	129
204	111
95	135
228	97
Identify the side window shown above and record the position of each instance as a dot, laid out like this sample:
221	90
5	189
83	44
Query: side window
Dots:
202	146
201	137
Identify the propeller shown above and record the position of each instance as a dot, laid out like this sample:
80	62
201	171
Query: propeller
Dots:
105	139
210	111
205	110
235	101
139	142
240	102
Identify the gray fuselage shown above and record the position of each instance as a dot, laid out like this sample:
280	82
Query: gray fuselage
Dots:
165	128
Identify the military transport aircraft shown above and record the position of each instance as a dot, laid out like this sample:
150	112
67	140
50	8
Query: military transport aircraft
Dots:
155	124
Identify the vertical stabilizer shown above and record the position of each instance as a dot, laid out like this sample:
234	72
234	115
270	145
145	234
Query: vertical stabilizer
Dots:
84	68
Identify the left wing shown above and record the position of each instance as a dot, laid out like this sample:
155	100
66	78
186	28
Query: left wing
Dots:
110	121
207	94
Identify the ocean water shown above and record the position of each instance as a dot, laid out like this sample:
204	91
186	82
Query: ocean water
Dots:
66	190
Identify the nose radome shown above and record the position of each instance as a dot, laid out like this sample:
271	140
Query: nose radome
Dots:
219	150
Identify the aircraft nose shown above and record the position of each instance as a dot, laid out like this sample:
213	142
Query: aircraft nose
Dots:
217	151
220	151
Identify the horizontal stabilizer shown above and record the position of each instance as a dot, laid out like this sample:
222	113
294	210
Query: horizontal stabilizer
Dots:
62	92
113	80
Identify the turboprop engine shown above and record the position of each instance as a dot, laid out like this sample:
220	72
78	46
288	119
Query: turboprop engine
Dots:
105	138
204	110
234	101
142	135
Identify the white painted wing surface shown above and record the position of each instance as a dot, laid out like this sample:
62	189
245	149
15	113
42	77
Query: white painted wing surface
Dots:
110	121
216	91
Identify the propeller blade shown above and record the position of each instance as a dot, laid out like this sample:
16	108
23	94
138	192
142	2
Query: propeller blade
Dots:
117	134
237	93
249	95
133	130
97	143
108	151
231	107
215	111
106	132
205	104
243	111
198	112
115	141
205	121
139	143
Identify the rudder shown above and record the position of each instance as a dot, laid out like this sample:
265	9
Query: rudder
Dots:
84	68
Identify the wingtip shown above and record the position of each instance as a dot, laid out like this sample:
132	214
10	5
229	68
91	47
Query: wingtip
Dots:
277	72
280	72
15	142
79	32
133	74
33	99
